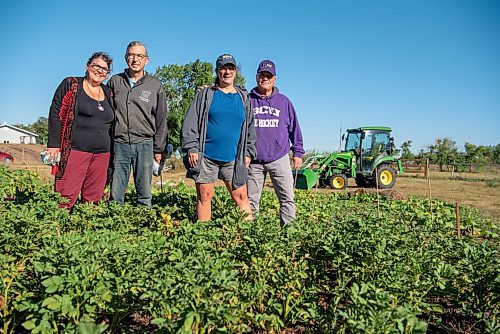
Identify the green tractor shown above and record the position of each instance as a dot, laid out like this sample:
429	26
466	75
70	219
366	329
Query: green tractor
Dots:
368	154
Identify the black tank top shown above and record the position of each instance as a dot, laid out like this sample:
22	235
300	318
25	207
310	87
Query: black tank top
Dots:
92	128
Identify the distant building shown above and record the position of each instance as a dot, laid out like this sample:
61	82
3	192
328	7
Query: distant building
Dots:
14	135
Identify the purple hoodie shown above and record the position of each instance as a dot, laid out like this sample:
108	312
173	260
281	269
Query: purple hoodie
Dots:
276	125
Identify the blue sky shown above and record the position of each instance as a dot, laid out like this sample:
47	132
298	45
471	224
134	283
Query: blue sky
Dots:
426	68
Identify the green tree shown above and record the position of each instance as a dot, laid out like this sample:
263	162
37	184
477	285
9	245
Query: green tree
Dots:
496	154
478	154
443	152
405	150
240	79
180	83
421	154
41	128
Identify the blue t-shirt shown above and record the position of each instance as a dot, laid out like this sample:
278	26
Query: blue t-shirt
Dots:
225	118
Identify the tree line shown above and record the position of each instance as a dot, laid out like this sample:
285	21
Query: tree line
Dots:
444	152
181	81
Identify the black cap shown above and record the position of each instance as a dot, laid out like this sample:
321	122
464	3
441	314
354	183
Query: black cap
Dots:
224	60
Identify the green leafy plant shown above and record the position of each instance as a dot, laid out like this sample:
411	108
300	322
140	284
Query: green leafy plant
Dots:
340	267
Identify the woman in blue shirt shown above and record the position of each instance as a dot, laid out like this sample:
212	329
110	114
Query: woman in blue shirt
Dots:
218	136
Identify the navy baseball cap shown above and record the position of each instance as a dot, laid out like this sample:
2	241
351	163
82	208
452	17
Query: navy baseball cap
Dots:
267	66
224	60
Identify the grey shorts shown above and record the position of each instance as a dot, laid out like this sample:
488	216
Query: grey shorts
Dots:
211	170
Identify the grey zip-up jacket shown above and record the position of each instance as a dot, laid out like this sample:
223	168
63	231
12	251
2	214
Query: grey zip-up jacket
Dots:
141	111
194	130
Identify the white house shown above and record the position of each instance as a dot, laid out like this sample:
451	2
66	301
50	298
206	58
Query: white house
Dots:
14	135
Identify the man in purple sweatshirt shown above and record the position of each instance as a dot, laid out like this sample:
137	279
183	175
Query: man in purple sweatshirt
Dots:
276	126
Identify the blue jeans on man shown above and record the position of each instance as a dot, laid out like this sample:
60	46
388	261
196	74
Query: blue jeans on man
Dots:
140	157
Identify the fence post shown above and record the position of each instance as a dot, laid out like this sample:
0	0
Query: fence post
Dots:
430	189
377	190
426	172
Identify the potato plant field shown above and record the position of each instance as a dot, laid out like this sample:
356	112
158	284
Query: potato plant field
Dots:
346	265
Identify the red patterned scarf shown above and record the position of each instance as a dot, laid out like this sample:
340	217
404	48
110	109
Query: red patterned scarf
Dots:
66	116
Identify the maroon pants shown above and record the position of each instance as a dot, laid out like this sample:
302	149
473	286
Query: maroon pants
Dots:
85	174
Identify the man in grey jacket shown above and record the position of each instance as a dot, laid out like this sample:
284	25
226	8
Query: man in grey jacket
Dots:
141	125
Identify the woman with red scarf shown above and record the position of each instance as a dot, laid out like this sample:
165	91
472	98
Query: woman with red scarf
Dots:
81	121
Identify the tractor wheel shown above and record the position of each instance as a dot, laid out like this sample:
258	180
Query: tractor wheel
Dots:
338	181
386	177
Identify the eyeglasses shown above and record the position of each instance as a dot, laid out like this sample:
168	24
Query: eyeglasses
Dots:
266	75
136	55
100	69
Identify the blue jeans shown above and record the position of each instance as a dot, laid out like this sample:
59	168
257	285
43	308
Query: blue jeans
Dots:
140	157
